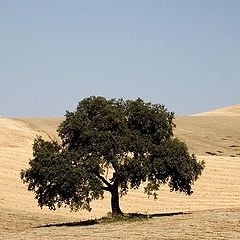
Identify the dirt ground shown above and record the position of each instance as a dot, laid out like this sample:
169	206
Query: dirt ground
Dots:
212	224
213	209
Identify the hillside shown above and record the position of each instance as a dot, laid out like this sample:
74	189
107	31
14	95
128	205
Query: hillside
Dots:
44	125
213	133
230	111
216	135
216	132
214	206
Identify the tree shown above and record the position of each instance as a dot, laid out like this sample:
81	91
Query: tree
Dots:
110	145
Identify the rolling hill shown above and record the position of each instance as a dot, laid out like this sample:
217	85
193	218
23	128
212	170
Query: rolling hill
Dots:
230	111
214	206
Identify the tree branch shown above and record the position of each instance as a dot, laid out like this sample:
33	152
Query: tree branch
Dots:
106	189
115	166
109	185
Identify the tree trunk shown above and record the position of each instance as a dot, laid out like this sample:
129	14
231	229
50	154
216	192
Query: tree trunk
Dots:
115	202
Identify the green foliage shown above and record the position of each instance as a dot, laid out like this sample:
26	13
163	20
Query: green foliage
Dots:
132	138
57	178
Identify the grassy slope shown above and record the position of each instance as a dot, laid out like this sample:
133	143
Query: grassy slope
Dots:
218	188
46	125
216	134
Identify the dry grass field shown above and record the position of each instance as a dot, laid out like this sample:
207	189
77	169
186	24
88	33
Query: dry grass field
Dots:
212	212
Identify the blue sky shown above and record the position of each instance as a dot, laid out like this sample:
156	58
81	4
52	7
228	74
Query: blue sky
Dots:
184	54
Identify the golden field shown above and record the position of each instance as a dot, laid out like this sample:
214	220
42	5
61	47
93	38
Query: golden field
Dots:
214	207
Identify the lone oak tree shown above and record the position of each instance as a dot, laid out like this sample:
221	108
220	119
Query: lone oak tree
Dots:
110	145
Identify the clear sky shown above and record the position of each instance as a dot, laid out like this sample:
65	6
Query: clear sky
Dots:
184	54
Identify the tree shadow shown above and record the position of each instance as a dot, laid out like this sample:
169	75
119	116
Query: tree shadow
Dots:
126	217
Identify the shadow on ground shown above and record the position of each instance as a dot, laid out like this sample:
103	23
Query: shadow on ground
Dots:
126	217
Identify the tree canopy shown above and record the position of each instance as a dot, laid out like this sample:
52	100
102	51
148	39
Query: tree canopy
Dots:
110	145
